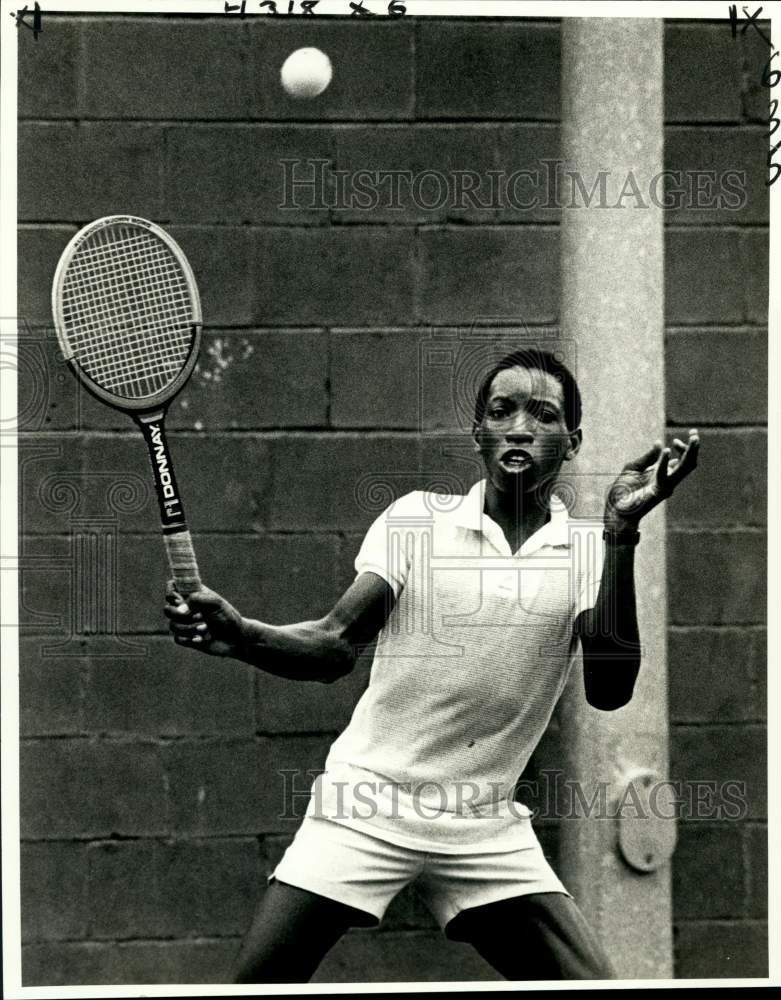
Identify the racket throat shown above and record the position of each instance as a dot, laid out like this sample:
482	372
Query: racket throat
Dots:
171	510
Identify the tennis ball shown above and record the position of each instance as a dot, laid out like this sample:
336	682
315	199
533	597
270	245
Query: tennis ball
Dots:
306	73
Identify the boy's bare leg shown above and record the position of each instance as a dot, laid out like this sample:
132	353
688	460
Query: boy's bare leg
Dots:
291	933
540	936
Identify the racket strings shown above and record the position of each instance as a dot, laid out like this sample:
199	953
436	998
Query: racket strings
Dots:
115	300
127	311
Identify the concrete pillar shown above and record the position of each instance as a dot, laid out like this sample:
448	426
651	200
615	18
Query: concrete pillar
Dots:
612	272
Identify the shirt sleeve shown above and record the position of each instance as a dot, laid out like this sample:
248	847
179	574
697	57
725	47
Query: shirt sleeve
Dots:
591	558
387	546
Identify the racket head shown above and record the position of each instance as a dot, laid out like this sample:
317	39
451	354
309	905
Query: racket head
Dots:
127	312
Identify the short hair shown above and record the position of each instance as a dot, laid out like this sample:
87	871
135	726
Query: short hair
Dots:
534	359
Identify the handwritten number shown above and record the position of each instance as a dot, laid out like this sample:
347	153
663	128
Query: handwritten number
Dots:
776	167
770	77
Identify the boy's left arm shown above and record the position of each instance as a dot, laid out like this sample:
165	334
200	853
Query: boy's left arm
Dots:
608	632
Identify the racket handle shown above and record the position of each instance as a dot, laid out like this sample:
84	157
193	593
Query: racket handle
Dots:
181	558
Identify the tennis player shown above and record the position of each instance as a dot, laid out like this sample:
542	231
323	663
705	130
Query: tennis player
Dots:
480	604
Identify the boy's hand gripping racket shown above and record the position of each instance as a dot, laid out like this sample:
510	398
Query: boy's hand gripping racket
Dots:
128	319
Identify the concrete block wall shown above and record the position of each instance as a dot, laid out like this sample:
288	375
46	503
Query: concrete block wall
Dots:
716	309
152	801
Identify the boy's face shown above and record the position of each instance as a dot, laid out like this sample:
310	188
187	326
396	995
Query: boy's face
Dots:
524	437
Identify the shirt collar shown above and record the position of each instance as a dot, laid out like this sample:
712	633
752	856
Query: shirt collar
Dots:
470	514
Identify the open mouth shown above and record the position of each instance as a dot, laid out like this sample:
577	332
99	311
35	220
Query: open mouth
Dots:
516	459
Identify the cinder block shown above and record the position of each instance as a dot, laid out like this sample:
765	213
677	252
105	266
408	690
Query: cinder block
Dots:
49	397
344	469
402	957
716	578
427	161
372	63
286	706
716	376
708	872
185	889
721	195
535	148
45	589
282	579
48	68
230	173
217	787
219	257
335	276
122	890
704	276
711	499
710	675
60	964
159	68
168	691
502	271
53	886
755	271
236	787
715	950
38	250
256	379
450	462
50	690
474	69
378	379
208	889
79	173
755	54
734	757
702	73
292	762
759	660
756	848
128	962
77	788
207	961
111	478
243	380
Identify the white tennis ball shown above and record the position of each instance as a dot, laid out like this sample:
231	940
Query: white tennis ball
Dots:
306	73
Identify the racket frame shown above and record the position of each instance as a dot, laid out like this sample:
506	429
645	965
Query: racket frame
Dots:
148	412
144	403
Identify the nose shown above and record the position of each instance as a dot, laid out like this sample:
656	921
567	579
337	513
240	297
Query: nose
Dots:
520	432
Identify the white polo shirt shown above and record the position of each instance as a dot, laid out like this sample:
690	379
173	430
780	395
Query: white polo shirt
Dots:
466	673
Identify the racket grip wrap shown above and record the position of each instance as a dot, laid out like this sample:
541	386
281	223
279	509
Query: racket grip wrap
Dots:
181	558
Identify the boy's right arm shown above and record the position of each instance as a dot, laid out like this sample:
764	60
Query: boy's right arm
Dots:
321	650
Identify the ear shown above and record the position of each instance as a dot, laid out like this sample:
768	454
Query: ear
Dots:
573	444
476	437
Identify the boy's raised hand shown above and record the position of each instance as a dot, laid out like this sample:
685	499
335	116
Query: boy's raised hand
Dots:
203	621
650	479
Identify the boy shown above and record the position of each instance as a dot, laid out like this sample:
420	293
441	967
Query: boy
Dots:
478	628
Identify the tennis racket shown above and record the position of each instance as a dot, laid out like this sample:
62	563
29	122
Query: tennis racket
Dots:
128	319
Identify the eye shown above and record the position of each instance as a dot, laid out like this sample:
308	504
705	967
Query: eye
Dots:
544	414
497	412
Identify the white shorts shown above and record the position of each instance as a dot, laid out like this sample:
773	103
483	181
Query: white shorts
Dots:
364	872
